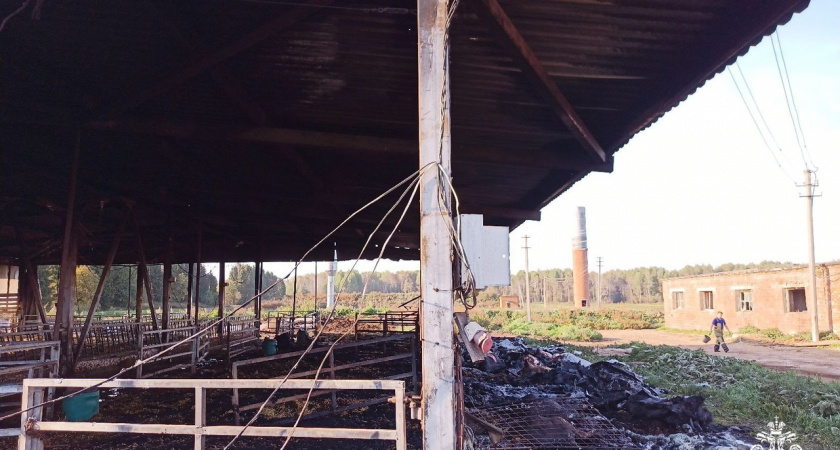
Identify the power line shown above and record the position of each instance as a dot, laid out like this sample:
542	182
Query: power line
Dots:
757	108
757	127
795	109
789	100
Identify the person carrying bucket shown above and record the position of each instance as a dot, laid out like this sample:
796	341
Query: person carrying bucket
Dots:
718	324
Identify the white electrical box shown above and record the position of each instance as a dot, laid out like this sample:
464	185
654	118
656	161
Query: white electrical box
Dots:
488	251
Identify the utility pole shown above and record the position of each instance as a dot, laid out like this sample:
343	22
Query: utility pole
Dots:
527	280
600	260
809	197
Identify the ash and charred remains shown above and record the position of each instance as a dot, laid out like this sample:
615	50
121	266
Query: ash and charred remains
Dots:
550	398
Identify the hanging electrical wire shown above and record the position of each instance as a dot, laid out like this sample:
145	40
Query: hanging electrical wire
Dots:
412	186
789	102
757	127
214	323
793	101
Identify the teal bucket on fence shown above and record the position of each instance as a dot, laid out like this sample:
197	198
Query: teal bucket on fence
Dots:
81	407
269	347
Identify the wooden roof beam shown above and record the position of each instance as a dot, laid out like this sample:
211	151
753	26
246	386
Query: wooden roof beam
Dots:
509	36
235	92
292	17
348	142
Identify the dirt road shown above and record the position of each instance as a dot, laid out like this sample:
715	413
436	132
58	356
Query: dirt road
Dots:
819	362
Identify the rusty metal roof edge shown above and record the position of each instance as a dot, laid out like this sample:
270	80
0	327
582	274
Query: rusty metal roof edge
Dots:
676	102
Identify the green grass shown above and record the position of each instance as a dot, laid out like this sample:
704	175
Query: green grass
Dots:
741	392
521	327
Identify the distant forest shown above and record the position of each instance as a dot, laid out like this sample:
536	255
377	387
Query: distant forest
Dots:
639	285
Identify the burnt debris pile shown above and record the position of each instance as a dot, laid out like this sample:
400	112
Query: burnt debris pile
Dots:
516	374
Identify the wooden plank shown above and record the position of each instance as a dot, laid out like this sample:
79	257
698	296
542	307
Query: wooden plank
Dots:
9	432
185	383
521	52
7	389
220	430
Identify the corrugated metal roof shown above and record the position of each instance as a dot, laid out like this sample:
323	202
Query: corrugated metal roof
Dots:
187	109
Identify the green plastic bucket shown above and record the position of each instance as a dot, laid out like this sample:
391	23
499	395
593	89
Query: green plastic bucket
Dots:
269	347
81	407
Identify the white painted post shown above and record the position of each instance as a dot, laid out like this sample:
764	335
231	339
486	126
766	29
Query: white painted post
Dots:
200	416
28	398
399	396
438	364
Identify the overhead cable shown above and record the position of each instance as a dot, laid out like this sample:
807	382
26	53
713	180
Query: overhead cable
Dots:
760	132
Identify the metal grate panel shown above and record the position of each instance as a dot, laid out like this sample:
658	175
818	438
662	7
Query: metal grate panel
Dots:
551	423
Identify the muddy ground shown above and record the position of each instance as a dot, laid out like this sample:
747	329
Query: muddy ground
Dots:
823	363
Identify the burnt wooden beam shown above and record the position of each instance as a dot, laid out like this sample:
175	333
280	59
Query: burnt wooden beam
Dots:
510	37
461	154
292	17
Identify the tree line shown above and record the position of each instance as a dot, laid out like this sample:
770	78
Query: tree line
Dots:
639	285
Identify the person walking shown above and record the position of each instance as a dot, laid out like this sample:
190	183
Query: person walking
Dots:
718	324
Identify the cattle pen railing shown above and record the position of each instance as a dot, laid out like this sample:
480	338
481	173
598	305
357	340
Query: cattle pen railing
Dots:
33	428
331	370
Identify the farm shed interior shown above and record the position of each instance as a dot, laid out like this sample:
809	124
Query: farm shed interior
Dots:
256	127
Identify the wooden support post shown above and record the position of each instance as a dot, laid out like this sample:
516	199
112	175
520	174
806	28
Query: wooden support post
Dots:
438	364
198	275
138	300
294	299
147	282
222	284
33	286
189	291
166	292
97	295
63	330
257	290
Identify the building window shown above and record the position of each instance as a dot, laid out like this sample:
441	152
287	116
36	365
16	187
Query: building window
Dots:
678	298
795	300
745	302
707	300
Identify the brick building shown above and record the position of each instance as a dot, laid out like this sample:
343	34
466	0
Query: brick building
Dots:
762	298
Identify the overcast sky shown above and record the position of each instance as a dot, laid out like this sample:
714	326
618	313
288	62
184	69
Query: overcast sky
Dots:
699	186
